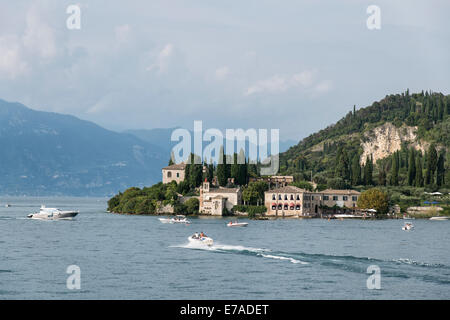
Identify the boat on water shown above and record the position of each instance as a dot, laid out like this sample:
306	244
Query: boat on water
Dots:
177	219
237	224
201	239
7	205
440	218
407	227
52	214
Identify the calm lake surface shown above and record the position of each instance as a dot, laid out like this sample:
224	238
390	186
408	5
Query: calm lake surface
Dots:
137	257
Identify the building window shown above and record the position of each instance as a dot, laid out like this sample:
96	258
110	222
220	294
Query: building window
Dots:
335	198
285	197
354	198
280	206
326	198
297	207
286	206
274	206
312	197
345	198
298	197
292	197
178	174
273	197
279	197
169	174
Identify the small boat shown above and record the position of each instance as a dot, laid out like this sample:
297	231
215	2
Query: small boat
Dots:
52	214
237	224
439	218
177	219
408	218
7	205
407	227
197	239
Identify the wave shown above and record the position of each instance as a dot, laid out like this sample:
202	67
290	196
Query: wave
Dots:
239	249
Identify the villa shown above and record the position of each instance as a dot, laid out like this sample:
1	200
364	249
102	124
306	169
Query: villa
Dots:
214	201
174	172
290	201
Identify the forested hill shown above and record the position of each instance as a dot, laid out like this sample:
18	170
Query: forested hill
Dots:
379	144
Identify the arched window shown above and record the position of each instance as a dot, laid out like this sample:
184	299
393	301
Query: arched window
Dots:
285	197
169	174
292	197
273	197
298	197
279	197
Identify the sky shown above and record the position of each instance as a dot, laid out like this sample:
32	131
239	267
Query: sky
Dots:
296	66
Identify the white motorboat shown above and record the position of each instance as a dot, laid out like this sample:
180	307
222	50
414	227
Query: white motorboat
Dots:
237	224
203	240
7	205
177	219
52	214
442	218
407	226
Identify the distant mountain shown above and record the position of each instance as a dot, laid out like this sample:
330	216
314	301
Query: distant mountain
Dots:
45	153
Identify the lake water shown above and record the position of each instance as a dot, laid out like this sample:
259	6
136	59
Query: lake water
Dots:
137	257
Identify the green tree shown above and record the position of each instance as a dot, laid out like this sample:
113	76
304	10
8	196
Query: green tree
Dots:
440	170
411	168
419	175
374	198
431	164
395	169
222	172
356	170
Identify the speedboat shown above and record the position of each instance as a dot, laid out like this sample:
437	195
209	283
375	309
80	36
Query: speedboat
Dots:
237	224
52	214
201	240
177	219
439	218
407	227
7	205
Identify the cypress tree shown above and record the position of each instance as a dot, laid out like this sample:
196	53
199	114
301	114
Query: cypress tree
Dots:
440	170
431	164
419	176
356	170
222	176
395	168
411	168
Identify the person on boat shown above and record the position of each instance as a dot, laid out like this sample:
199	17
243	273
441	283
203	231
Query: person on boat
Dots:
195	236
202	235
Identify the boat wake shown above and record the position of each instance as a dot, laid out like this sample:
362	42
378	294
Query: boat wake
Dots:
249	251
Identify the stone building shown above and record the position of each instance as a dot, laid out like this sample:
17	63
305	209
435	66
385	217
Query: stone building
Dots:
213	201
276	181
290	201
174	172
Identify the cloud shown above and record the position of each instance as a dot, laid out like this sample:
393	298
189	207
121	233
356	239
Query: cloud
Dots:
12	63
282	83
122	33
222	72
162	59
38	37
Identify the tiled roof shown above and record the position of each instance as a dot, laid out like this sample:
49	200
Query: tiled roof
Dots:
223	190
334	191
287	189
178	166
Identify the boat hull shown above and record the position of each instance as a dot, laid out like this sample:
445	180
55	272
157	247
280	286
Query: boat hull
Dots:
206	241
239	224
63	215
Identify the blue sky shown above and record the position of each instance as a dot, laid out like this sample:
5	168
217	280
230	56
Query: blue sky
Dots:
296	66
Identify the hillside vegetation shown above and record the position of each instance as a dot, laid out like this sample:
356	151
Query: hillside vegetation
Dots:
416	130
